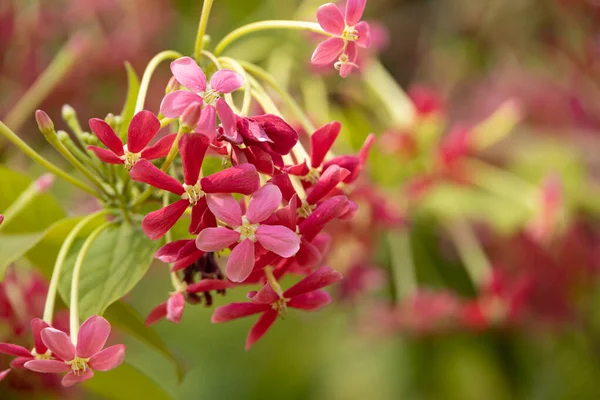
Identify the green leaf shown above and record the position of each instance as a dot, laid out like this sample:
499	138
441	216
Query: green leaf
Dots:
126	383
13	247
133	88
127	319
114	264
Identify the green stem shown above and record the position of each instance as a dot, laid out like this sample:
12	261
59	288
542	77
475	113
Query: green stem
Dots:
247	100
21	203
74	303
60	260
402	264
267	25
43	85
152	65
476	262
35	156
206	6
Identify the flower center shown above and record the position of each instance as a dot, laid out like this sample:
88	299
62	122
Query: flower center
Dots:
305	209
350	34
193	193
129	158
79	365
211	96
280	306
343	60
312	176
247	230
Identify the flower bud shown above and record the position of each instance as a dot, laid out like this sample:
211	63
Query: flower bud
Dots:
44	182
63	136
68	112
89	139
189	118
44	122
112	120
172	86
1	218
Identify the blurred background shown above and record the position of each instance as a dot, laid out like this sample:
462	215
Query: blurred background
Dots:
472	268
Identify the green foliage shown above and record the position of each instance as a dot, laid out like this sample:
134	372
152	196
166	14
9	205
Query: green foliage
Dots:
115	263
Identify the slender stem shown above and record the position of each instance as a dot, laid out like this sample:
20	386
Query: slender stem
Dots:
402	264
267	25
273	281
21	203
60	260
167	121
74	303
152	65
206	6
237	67
476	262
35	156
43	85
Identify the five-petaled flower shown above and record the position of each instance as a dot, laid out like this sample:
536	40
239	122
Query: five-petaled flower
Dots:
304	295
82	358
142	129
190	75
245	231
348	32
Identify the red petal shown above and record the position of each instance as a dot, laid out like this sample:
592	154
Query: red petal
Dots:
47	366
169	252
71	379
310	301
192	148
159	312
175	306
160	149
284	137
105	155
143	127
3	374
318	279
206	285
107	135
157	223
241	179
325	212
283	182
261	327
326	183
14	350
145	171
266	295
92	336
237	310
59	343
321	142
331	19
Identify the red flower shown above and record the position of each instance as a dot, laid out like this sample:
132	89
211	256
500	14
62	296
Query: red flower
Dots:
142	129
304	295
192	147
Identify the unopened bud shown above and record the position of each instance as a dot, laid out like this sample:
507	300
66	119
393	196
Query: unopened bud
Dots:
44	122
44	182
68	112
88	138
63	136
191	115
1	218
172	86
111	120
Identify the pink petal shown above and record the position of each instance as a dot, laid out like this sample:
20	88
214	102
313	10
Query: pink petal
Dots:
170	251
331	19
108	359
20	362
326	183
241	261
3	374
310	301
261	327
364	34
278	239
237	310
143	127
105	155
175	306
159	312
352	55
58	343
107	135
47	366
207	285
14	350
225	208
227	117
145	171
202	217
92	336
157	223
321	142
216	239
288	216
175	103
189	74
226	81
354	11
318	279
241	179
192	148
263	203
71	379
208	122
266	295
159	149
327	51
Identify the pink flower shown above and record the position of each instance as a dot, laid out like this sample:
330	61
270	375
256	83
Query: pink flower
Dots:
190	75
192	147
142	129
172	309
347	33
247	230
82	359
304	295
